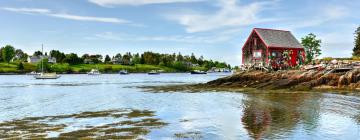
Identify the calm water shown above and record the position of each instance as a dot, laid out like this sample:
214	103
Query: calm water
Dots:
207	115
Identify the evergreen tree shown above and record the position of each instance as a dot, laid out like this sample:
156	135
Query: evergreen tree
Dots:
107	59
356	50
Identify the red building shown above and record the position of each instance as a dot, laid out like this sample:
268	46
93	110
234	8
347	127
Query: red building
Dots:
272	48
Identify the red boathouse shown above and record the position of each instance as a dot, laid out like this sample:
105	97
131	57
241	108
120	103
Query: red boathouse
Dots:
272	48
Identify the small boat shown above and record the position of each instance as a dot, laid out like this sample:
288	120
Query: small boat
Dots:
154	72
94	72
123	72
47	76
198	72
44	75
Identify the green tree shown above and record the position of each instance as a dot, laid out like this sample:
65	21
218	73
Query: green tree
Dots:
59	56
20	55
136	59
107	59
356	50
21	66
44	63
312	47
72	59
37	53
1	59
8	53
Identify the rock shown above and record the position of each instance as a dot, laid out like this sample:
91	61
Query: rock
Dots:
342	81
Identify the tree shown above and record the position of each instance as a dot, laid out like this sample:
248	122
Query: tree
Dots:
179	57
21	66
356	50
72	59
43	64
8	53
1	60
312	47
37	53
127	58
59	56
20	55
193	59
136	59
107	59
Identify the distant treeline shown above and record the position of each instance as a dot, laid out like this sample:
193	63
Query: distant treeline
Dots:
176	61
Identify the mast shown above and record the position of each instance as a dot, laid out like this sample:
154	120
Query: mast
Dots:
42	58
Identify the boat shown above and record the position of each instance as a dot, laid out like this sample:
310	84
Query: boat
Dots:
44	75
123	72
47	76
154	72
94	72
198	72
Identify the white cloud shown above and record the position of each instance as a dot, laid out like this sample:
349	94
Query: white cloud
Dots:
48	12
27	10
89	18
230	15
109	3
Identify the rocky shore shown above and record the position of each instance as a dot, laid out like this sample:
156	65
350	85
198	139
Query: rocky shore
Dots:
286	81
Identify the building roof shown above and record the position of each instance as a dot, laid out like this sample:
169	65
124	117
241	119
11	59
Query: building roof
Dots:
278	38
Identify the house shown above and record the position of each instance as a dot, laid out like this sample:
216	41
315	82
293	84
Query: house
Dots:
36	59
116	60
273	49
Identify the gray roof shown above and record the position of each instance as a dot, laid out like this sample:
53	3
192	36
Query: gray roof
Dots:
278	38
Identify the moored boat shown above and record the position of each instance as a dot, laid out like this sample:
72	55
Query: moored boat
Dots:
123	72
94	72
198	72
154	72
47	76
44	75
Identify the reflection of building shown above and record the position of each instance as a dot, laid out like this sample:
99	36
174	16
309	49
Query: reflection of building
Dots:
36	59
275	48
271	116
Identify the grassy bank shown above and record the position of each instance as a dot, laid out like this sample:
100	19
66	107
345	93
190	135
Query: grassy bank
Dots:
84	68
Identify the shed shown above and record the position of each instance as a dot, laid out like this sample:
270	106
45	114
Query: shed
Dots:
272	48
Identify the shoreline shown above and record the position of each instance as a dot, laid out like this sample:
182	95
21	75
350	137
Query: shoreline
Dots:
289	81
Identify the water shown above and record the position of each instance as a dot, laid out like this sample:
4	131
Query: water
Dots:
61	103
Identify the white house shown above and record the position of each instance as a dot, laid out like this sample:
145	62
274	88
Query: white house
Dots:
36	59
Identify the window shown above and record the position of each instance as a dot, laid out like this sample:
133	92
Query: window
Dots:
273	54
257	54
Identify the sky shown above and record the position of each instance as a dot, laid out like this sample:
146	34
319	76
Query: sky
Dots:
215	29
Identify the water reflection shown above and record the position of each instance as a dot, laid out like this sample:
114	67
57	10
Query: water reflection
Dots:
280	116
275	115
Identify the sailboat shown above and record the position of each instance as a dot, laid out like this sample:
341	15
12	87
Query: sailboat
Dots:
44	75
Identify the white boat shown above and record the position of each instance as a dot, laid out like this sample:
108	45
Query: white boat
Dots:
47	76
44	75
94	72
154	72
123	72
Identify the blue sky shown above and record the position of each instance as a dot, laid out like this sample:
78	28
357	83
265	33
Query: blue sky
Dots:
216	29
